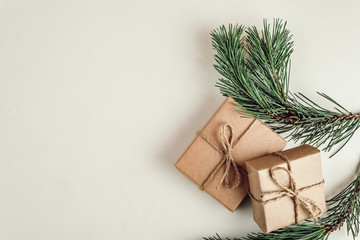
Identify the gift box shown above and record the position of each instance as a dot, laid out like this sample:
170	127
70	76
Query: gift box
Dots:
215	159
286	187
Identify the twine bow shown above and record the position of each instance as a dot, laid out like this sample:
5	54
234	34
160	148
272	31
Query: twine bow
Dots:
299	201
228	146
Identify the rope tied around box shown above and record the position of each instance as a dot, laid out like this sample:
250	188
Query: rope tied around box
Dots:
228	146
293	192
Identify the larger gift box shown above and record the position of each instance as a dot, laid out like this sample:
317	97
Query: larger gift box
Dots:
215	159
286	187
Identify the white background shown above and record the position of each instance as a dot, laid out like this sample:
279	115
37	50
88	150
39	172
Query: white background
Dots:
98	99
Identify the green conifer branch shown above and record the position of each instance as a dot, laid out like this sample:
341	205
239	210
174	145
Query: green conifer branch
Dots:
344	208
256	70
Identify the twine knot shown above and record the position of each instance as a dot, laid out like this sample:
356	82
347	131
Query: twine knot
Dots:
228	146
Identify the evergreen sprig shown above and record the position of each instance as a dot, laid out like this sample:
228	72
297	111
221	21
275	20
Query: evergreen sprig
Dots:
343	208
256	69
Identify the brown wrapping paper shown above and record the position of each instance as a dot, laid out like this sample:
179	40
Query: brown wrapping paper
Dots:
200	158
306	170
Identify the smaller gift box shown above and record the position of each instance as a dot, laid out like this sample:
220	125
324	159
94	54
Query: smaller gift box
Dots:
286	187
215	160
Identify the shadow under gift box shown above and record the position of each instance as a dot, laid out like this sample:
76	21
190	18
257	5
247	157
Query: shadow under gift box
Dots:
305	162
200	159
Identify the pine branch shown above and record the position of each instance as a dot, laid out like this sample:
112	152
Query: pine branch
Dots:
343	208
256	70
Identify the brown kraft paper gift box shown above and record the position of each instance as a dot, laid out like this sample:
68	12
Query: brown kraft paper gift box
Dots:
200	159
275	205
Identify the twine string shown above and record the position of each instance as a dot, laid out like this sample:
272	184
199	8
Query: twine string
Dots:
228	145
